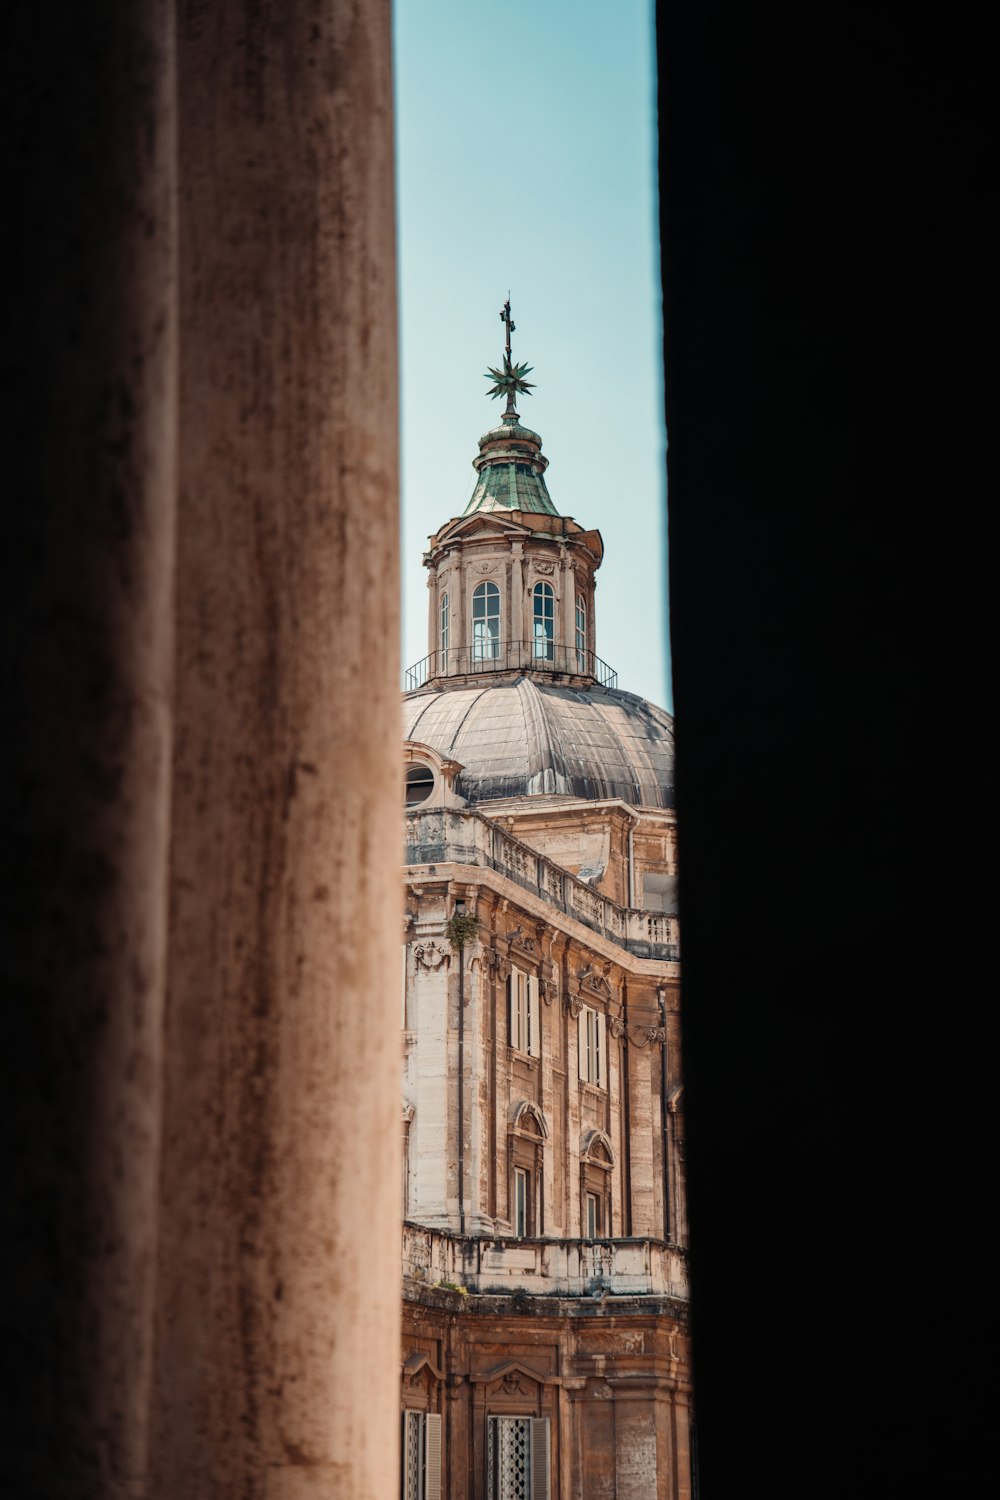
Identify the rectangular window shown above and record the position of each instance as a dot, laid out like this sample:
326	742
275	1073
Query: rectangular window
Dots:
518	1459
421	1455
593	1216
593	1046
522	1202
522	1012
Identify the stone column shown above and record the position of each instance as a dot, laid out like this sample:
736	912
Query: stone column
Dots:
278	1308
461	625
520	627
433	615
566	628
89	486
643	1119
434	1149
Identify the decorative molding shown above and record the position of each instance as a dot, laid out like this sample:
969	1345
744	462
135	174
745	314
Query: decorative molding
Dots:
645	1036
532	1111
616	1027
545	567
484	568
431	957
549	989
512	1383
594	982
574	1005
597	1138
489	958
524	942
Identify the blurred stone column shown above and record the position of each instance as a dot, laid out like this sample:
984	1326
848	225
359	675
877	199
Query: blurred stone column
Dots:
278	1313
86	642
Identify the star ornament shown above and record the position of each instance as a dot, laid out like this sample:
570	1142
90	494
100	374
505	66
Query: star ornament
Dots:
510	380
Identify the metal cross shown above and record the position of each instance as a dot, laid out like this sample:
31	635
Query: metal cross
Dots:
506	318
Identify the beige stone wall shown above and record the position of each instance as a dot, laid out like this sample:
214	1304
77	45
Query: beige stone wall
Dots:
574	972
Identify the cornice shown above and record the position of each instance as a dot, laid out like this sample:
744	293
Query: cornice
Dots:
534	907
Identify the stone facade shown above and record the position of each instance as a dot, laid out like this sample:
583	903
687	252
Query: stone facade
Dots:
545	1345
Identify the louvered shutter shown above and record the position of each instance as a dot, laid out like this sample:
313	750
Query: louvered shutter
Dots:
540	1461
412	1457
533	1017
511	992
581	1036
432	1456
602	1049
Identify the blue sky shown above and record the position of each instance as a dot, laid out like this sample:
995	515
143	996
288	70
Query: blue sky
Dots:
526	160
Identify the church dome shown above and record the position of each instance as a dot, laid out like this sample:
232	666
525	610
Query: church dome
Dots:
525	738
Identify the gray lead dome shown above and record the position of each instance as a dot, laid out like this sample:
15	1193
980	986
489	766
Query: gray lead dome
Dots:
528	738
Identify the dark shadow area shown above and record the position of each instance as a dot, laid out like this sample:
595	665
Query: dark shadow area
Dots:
825	268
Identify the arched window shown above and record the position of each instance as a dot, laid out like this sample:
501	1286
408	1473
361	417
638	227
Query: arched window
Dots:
444	622
485	622
544	612
596	1169
581	634
419	783
525	1175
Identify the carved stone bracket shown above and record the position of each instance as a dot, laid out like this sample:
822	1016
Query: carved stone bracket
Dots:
431	957
594	982
524	942
574	1005
490	959
616	1026
645	1036
549	990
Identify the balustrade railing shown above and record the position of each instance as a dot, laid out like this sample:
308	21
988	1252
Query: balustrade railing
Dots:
441	836
560	1267
492	655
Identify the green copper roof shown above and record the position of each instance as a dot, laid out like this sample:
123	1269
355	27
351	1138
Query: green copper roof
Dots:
510	465
510	486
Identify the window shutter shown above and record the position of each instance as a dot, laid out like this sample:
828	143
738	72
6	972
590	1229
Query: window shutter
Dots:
540	1462
411	1455
533	1017
602	1049
581	1035
511	990
432	1456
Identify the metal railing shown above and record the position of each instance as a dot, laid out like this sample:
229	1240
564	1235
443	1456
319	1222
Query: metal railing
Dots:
509	656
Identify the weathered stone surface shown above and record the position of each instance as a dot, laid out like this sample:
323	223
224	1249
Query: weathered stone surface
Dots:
281	1120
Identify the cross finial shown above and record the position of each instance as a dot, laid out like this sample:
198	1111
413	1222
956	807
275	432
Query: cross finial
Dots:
505	318
510	381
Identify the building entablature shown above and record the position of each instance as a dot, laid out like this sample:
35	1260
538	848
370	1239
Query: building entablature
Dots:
551	1267
464	848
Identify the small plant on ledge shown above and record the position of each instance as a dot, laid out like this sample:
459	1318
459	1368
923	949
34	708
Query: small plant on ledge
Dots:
461	928
452	1286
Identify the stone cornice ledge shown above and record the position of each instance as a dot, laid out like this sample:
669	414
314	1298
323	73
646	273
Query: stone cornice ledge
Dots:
547	911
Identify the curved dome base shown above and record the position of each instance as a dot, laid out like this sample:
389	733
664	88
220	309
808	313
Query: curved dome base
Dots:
527	736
